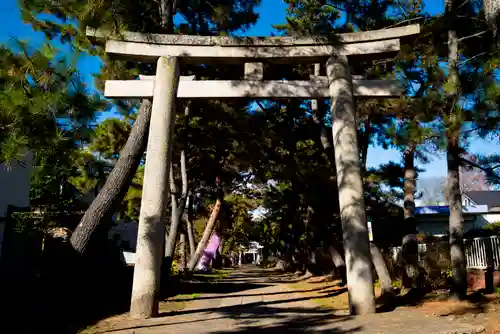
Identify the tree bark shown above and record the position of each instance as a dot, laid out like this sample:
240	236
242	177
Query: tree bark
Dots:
456	223
118	181
189	227
491	14
151	233
351	196
409	183
323	135
209	228
178	203
381	268
365	144
167	13
182	252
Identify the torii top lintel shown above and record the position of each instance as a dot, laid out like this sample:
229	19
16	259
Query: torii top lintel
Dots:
209	49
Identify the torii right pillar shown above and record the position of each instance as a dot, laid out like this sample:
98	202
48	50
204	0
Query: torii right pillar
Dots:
351	199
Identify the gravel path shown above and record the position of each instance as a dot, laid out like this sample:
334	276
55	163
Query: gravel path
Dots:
264	303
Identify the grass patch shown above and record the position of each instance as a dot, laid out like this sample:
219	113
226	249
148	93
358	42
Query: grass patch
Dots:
214	275
177	302
320	294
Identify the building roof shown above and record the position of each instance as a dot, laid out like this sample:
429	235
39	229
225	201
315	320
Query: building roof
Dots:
445	210
489	198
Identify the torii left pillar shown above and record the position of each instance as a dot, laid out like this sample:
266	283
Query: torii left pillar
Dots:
149	253
351	197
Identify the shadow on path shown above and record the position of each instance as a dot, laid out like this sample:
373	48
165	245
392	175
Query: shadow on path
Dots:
239	308
254	295
259	319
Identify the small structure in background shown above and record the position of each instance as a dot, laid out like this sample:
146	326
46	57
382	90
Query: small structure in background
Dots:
251	254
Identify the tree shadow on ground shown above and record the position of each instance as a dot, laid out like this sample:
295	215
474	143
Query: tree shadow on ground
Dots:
239	308
261	319
266	319
475	302
256	294
178	286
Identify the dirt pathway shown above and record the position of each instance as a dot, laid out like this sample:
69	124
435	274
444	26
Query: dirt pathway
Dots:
264	303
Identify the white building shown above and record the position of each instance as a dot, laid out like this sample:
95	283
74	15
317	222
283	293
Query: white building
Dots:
480	208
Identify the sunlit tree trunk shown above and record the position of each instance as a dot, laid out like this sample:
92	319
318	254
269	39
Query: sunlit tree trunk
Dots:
456	224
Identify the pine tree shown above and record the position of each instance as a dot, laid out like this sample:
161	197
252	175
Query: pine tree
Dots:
143	16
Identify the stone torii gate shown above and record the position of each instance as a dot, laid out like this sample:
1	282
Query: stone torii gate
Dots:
171	51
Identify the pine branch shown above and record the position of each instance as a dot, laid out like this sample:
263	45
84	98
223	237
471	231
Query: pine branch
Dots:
472	36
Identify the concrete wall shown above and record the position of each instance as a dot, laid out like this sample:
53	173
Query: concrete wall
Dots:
15	184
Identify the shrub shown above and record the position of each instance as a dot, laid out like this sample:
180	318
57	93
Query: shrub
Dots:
493	228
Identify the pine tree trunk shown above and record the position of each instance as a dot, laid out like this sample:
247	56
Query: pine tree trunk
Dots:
338	262
381	268
410	246
117	183
351	195
177	210
189	227
409	183
457	252
182	252
456	224
323	135
209	228
365	145
178	204
491	14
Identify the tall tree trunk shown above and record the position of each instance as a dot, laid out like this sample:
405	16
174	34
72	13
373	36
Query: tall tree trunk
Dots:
317	118
491	13
189	227
178	203
456	224
167	11
182	251
209	228
338	262
118	181
411	266
365	145
381	268
409	183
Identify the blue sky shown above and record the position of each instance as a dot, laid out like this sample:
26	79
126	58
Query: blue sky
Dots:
271	12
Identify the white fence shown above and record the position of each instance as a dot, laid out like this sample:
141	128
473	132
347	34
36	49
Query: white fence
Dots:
480	253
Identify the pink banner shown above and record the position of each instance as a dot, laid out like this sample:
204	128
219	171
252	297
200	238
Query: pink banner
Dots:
210	253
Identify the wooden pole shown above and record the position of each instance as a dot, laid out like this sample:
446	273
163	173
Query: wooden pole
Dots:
151	231
351	200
